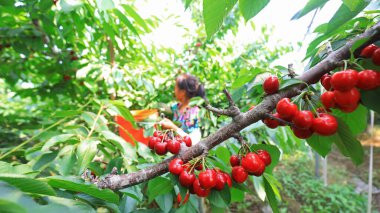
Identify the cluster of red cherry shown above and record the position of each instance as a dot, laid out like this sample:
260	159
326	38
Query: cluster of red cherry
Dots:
199	183
372	51
162	142
342	88
253	163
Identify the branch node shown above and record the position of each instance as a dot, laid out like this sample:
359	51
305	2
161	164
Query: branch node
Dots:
291	72
268	115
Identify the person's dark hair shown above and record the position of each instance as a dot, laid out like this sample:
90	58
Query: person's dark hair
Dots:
191	85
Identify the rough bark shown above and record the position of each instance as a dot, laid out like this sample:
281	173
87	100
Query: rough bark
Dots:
242	120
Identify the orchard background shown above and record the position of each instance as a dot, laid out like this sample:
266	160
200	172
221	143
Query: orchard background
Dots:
68	67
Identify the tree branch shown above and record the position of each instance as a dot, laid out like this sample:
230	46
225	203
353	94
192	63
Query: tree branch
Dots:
244	119
233	111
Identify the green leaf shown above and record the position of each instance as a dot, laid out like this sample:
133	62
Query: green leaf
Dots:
347	143
105	4
133	192
356	121
343	15
187	3
78	185
290	82
275	184
370	99
86	152
68	6
220	199
321	144
271	196
223	154
125	20
19	169
123	111
258	182
136	17
352	4
310	6
274	153
126	148
213	15
245	76
27	184
66	113
91	118
56	139
158	186
250	8
189	207
165	202
196	101
58	204
44	160
11	207
236	195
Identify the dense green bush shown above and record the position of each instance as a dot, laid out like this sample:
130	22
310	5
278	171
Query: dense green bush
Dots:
303	192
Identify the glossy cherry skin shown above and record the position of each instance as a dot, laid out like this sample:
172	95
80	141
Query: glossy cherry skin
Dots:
253	164
239	175
376	57
234	160
173	146
303	119
347	98
344	80
367	80
325	125
302	133
175	166
220	181
160	148
271	85
187	141
265	156
349	108
328	99
271	123
324	76
367	52
186	179
201	192
326	83
286	109
207	179
228	179
153	141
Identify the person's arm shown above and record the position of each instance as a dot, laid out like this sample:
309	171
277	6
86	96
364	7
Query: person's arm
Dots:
194	135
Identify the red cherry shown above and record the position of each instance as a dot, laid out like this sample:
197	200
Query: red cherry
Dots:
157	133
344	80
271	123
74	58
271	85
376	57
322	110
347	98
198	44
265	156
302	133
174	146
187	140
326	83
378	78
367	80
253	164
66	77
325	125
160	148
207	179
286	109
367	52
153	141
228	179
324	76
175	166
220	181
239	175
349	108
328	99
186	179
303	119
234	160
199	167
201	192
179	198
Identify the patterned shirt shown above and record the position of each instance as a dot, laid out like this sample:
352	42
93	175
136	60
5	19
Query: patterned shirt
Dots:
189	117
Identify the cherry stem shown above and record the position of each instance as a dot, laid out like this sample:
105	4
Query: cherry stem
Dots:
345	64
312	106
358	65
299	97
